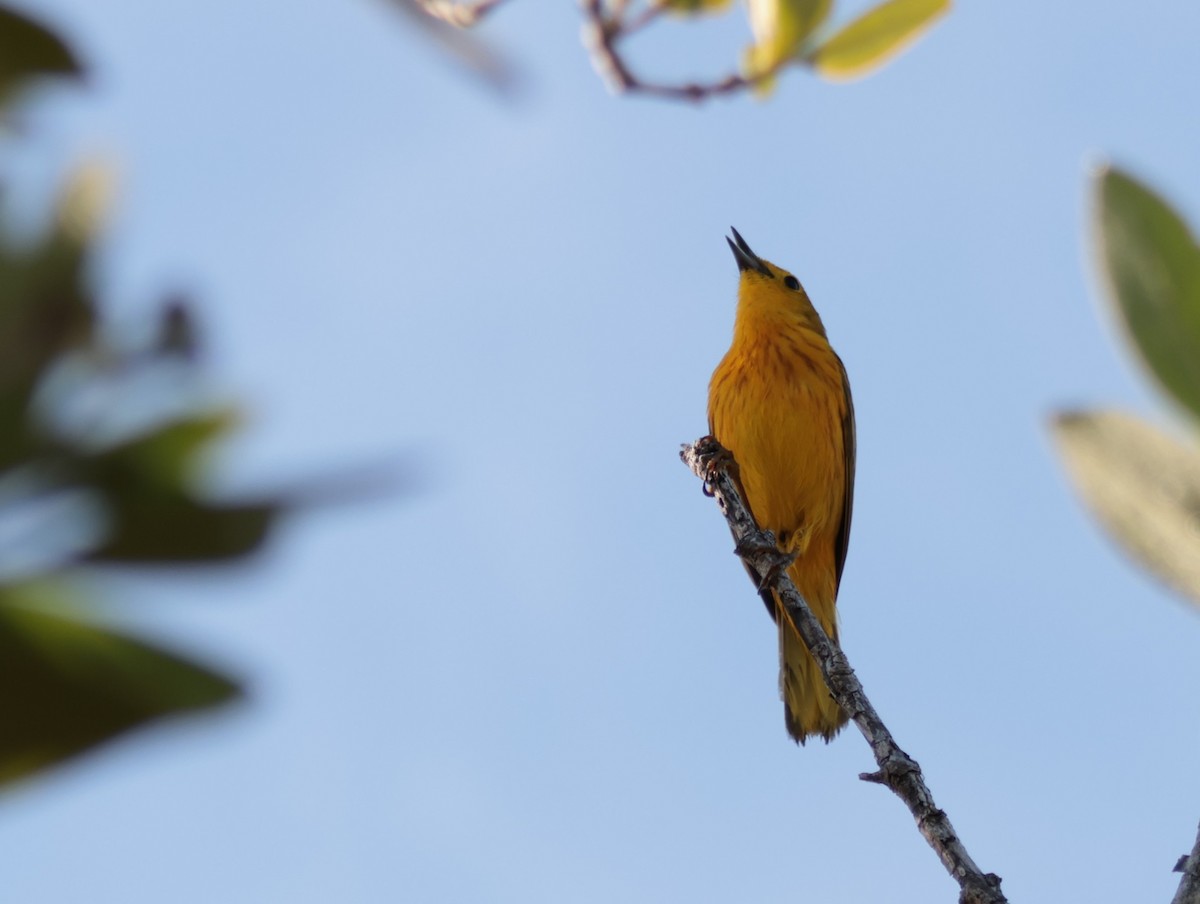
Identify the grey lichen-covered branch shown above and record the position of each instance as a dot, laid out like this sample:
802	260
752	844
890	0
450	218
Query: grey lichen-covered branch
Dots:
1189	885
713	464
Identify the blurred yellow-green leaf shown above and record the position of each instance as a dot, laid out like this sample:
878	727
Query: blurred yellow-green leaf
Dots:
1152	269
66	686
1143	486
27	50
876	36
695	6
83	203
780	28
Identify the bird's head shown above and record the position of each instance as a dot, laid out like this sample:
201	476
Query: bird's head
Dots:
767	289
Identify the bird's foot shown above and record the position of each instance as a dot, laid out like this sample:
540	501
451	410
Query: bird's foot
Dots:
714	458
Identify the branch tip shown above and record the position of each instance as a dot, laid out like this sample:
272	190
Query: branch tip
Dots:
463	14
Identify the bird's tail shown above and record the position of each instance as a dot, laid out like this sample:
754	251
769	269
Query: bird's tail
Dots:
808	707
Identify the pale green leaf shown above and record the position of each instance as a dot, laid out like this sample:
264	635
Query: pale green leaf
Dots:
875	37
1143	486
1152	268
780	28
84	202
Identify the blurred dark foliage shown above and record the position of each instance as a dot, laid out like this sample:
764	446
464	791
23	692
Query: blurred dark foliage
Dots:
102	441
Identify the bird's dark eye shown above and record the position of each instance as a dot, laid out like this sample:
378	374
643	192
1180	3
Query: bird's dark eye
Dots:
791	282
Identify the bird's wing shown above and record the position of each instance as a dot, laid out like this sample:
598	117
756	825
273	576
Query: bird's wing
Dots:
850	447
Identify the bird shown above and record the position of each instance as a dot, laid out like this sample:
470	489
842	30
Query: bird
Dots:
780	403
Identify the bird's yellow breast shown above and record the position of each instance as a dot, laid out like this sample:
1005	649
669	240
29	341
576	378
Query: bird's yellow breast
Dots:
777	402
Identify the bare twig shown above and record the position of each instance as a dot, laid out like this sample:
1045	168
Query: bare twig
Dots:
460	14
494	69
602	33
900	772
1189	885
640	21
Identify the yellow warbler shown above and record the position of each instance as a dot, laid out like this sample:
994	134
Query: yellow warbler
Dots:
779	401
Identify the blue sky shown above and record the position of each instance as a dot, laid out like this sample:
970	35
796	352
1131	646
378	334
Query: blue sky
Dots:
542	676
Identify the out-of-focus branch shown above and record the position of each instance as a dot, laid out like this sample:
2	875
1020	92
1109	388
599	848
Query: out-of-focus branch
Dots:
1189	885
481	59
603	32
712	463
461	15
606	24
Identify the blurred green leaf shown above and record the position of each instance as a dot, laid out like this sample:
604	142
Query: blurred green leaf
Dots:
153	517
46	304
66	686
874	37
44	311
162	460
780	28
28	49
176	529
1152	269
1143	486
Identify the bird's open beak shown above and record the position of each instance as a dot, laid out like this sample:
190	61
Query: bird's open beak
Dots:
746	259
